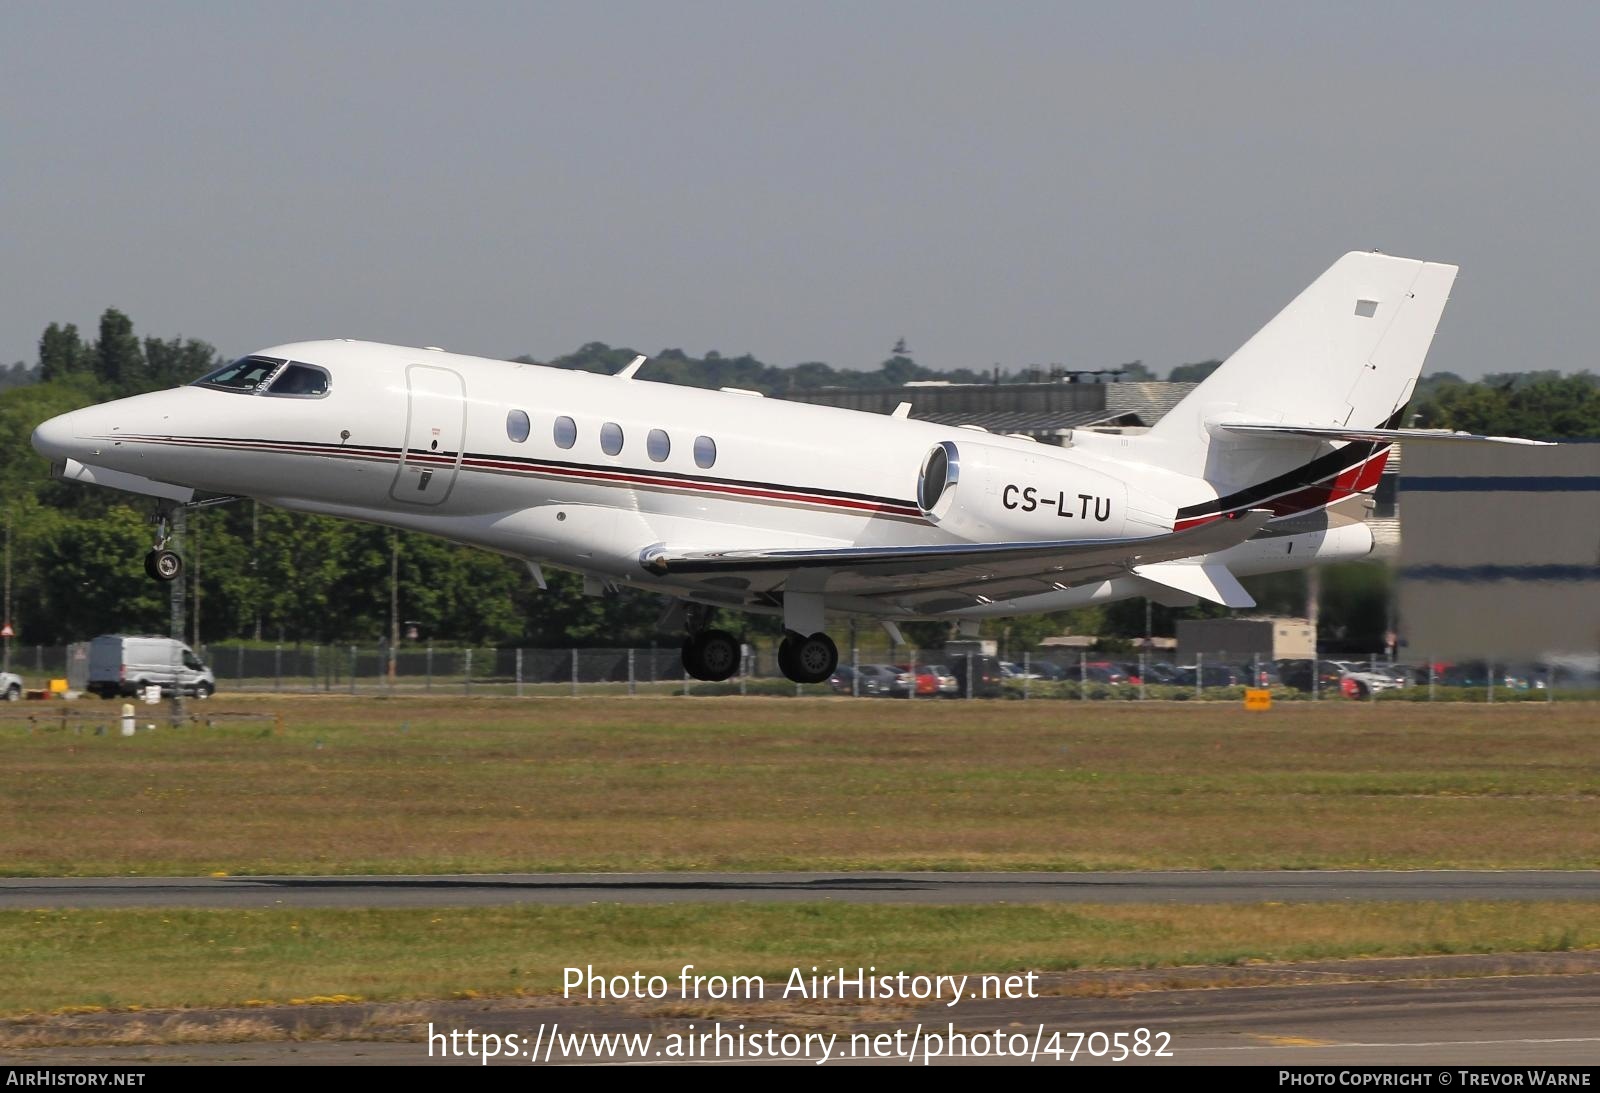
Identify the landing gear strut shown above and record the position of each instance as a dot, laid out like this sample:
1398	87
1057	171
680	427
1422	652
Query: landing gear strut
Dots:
808	659
711	655
163	564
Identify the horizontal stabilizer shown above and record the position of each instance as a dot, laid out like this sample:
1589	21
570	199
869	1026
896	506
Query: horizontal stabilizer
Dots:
1166	595
1379	436
1209	582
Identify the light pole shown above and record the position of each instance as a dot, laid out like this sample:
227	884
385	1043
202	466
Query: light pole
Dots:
394	601
5	615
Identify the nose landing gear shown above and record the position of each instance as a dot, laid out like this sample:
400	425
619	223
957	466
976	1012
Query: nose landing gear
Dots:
162	564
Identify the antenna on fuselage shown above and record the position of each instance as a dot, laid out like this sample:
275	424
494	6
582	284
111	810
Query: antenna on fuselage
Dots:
631	367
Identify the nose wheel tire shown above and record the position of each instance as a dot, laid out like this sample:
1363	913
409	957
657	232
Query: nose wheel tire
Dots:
163	565
711	655
808	660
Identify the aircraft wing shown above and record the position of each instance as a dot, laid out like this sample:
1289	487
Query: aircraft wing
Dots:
933	577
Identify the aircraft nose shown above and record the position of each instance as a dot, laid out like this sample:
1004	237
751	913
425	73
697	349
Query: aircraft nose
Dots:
57	438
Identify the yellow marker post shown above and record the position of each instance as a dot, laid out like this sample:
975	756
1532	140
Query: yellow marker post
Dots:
58	686
1257	698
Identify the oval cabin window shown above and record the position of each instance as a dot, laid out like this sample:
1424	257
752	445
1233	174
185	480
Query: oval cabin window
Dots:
517	426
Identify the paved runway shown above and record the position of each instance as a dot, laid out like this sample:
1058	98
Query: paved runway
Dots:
927	888
1456	1011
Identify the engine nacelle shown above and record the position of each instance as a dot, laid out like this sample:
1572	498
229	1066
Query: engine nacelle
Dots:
988	494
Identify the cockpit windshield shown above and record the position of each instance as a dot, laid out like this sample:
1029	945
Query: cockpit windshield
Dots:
246	374
271	376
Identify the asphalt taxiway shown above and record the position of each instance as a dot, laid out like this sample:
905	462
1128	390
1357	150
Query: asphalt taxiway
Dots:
885	888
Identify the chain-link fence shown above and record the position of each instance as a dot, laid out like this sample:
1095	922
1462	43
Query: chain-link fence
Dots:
864	672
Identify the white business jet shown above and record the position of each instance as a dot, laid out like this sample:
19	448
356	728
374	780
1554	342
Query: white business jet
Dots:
727	499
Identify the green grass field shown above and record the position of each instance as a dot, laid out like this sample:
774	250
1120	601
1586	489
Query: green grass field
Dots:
450	785
67	960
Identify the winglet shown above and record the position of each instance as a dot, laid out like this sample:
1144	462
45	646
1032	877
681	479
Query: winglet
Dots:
631	367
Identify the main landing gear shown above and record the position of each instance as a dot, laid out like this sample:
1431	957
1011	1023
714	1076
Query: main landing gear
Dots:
808	659
713	655
162	564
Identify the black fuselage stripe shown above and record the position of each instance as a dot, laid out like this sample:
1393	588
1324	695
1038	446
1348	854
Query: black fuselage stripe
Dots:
1318	470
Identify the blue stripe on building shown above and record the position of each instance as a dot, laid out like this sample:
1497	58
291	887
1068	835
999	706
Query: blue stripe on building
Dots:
1482	573
1576	483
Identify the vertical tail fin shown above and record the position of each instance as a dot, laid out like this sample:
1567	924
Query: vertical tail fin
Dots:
1346	352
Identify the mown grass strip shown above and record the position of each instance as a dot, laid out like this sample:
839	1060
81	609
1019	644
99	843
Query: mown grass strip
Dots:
445	785
72	960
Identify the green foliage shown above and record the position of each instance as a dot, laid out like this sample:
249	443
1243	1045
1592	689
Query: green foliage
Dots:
62	353
1354	607
118	359
91	572
1536	405
18	374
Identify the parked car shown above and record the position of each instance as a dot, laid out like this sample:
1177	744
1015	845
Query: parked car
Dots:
1476	674
122	666
10	686
1260	674
927	683
1162	674
1297	674
877	680
987	678
1210	675
1103	671
1361	679
949	687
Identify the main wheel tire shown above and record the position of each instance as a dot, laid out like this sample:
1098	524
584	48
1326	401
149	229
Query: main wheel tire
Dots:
711	655
163	565
808	660
13	693
204	690
719	655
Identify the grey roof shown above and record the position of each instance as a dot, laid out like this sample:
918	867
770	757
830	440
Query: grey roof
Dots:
1149	400
1027	421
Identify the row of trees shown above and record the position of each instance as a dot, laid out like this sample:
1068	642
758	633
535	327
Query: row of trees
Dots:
76	552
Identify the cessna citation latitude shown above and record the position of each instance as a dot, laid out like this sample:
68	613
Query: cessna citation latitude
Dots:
727	499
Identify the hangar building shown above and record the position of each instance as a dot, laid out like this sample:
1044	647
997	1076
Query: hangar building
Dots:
1501	551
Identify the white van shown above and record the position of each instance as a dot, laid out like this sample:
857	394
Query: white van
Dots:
121	666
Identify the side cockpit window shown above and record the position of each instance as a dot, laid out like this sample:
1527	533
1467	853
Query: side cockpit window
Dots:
246	375
300	381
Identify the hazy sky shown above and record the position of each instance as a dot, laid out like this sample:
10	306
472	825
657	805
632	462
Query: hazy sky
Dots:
1006	183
